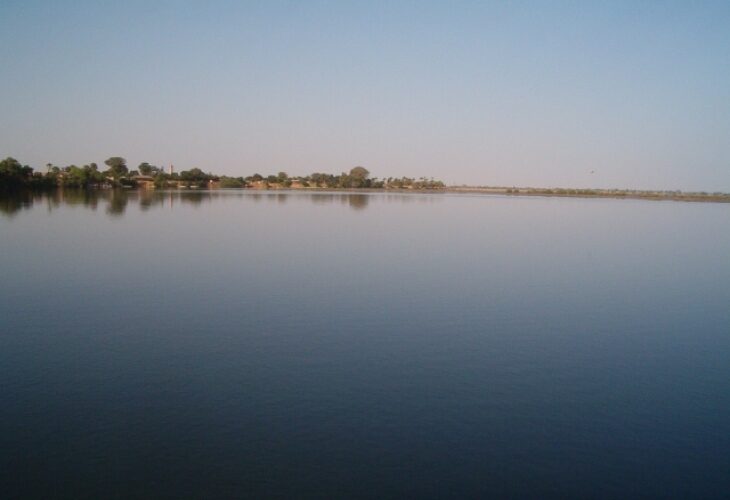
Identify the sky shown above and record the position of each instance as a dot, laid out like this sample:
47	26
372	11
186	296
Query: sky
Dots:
546	93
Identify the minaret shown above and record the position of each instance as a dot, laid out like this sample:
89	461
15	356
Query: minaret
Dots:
171	168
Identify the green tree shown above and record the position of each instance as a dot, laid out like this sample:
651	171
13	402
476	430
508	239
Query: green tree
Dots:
145	168
117	167
194	174
357	178
195	177
13	174
74	176
360	173
93	176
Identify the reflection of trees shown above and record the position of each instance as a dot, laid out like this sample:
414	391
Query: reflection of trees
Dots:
358	201
11	203
53	199
75	197
147	199
117	202
193	197
322	199
91	199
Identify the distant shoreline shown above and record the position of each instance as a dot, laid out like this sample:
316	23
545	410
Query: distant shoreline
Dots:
597	193
618	194
696	197
15	176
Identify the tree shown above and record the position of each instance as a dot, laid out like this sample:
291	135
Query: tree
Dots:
359	173
117	167
195	177
75	176
145	168
93	176
357	178
13	174
194	174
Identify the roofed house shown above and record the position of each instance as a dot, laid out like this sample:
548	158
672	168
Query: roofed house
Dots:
144	181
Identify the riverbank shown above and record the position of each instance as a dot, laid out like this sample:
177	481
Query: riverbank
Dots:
485	190
542	192
716	197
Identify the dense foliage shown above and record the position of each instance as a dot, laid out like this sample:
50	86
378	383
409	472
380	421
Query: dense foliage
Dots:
14	175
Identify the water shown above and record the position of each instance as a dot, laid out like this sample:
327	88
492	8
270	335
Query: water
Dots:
332	345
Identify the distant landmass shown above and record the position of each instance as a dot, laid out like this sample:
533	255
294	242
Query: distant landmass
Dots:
14	175
146	176
675	195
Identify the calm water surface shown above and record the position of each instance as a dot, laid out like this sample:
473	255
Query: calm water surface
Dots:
333	345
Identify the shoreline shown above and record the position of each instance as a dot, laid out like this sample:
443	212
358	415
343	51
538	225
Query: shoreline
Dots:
517	192
617	194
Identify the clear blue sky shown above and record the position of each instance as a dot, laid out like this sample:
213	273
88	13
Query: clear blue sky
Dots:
500	93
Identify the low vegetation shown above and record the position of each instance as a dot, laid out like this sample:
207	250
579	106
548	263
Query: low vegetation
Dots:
677	195
14	175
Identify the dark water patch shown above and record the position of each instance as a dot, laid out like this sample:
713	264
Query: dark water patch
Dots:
172	344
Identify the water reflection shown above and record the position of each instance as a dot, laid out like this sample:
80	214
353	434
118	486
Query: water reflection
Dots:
9	205
358	201
300	343
116	202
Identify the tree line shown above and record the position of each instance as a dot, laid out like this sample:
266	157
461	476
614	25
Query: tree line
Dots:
117	174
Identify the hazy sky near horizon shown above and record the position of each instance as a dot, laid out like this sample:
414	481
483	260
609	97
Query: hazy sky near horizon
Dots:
585	94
